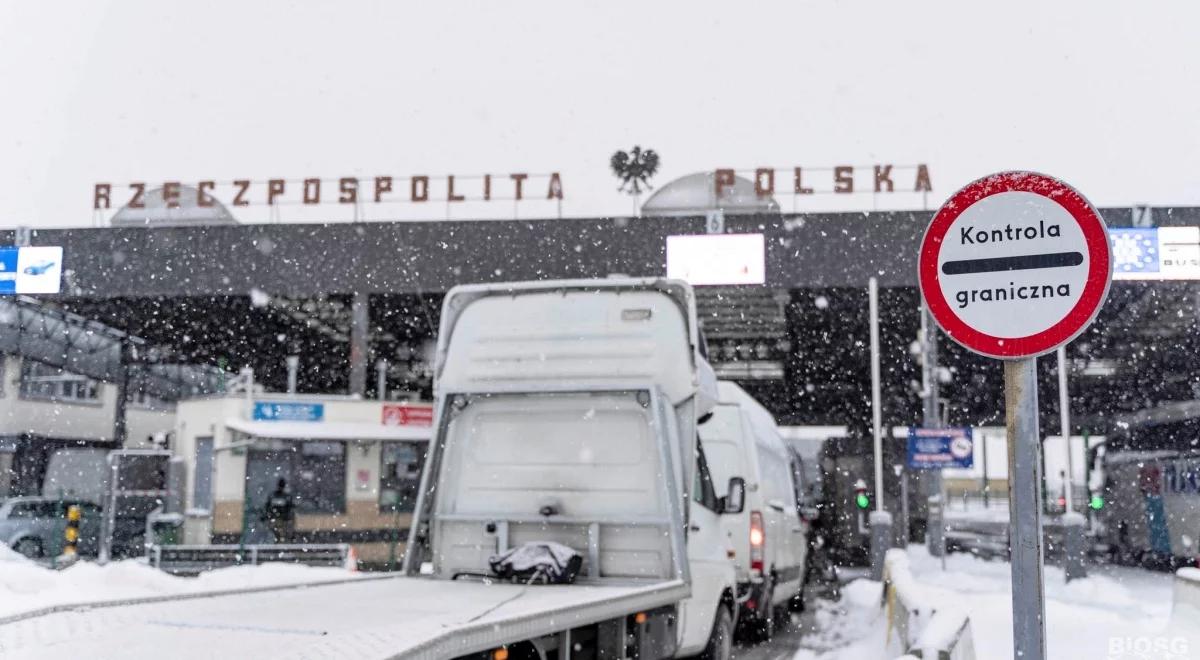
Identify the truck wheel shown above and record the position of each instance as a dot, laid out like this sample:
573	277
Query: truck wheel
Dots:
783	617
720	640
762	626
795	604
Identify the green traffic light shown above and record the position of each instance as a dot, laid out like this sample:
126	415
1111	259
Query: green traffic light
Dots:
1096	503
862	501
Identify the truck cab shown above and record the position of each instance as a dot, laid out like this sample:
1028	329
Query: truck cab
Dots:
567	411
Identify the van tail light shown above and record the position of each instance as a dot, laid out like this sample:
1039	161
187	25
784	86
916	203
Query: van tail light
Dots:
758	537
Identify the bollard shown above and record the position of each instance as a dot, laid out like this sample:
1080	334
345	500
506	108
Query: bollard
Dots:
1074	545
71	534
881	541
70	550
935	530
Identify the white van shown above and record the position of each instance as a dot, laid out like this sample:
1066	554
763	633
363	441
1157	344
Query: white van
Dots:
769	537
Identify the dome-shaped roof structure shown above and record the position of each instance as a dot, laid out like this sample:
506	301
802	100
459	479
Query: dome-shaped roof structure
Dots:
696	194
155	211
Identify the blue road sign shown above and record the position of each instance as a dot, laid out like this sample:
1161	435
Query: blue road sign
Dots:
934	449
272	411
8	270
30	269
1135	250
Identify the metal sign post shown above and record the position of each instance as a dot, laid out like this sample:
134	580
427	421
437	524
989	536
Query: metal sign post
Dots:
118	491
1013	266
880	520
1025	508
1064	414
934	498
1074	523
876	413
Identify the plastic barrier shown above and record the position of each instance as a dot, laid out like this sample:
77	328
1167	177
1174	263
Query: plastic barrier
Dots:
917	627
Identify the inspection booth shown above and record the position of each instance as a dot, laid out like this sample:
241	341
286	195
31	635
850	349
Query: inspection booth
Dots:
352	468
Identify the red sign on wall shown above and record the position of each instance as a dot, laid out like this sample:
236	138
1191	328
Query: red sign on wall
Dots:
407	414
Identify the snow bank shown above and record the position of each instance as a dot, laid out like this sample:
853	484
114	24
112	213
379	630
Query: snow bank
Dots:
26	586
851	629
918	619
1117	613
1113	613
1185	608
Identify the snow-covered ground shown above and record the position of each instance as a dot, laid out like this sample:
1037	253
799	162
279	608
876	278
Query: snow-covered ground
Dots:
26	586
850	629
1116	612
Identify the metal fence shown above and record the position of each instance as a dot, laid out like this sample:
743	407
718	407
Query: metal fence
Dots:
194	559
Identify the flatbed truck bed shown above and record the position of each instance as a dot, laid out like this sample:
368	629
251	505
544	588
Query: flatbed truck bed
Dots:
401	617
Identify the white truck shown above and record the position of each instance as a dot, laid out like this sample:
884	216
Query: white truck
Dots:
565	411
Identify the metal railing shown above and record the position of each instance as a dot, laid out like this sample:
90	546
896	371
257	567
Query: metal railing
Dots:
194	559
975	501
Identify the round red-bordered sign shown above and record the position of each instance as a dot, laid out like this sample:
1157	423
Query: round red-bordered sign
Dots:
1015	265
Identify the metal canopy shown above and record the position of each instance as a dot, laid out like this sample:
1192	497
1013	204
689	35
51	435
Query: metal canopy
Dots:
234	296
84	346
350	431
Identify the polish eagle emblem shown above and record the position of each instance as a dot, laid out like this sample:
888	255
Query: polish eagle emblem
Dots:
634	168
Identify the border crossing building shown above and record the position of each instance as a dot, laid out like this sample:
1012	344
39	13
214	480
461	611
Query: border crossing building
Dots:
167	308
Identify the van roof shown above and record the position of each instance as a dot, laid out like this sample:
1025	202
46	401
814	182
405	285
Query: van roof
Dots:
766	431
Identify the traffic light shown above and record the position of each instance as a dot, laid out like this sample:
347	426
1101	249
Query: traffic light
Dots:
1097	502
861	499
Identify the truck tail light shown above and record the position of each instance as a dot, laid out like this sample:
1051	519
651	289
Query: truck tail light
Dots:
758	537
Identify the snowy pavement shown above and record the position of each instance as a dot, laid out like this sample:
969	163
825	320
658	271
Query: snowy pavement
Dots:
1116	613
26	586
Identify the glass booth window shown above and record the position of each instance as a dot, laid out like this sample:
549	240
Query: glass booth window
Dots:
42	381
320	477
147	401
400	475
314	473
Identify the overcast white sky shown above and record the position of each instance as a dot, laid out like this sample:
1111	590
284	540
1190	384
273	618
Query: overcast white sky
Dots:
1102	94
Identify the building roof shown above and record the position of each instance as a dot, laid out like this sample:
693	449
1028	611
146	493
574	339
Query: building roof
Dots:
696	194
187	211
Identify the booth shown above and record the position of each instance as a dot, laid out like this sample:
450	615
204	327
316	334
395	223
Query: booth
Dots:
348	468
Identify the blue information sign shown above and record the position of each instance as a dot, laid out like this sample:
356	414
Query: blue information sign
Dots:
30	269
272	411
933	449
8	270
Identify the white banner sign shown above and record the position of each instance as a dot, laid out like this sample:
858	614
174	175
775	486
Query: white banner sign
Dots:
717	259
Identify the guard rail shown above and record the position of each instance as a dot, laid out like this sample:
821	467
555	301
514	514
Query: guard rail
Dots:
195	559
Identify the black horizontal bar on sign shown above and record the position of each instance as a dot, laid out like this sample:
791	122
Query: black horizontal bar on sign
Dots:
1022	262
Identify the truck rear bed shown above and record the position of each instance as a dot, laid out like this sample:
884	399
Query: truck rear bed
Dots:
399	617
